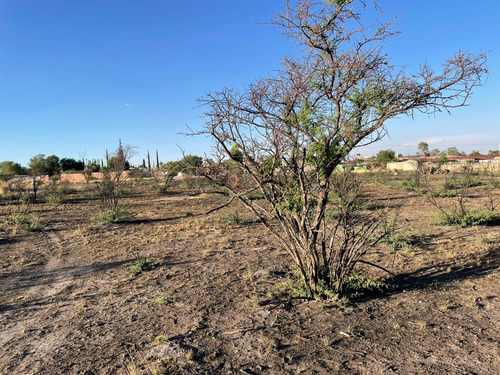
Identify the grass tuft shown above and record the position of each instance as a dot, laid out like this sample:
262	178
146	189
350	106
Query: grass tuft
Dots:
143	264
235	218
27	221
468	218
112	216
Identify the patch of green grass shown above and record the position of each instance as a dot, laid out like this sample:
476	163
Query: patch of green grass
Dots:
55	199
164	301
9	197
410	185
358	284
143	264
27	221
469	218
295	287
65	189
161	339
442	194
235	218
406	239
494	182
331	215
456	184
111	216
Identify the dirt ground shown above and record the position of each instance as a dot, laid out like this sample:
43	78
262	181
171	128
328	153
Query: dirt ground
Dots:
69	304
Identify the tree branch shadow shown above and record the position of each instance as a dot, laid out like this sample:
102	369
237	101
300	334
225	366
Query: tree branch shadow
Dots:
458	269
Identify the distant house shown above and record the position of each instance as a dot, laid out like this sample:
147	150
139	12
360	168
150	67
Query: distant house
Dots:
454	162
407	165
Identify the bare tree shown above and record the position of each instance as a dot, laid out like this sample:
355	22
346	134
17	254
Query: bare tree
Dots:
113	178
294	128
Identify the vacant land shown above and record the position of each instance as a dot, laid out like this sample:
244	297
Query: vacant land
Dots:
174	291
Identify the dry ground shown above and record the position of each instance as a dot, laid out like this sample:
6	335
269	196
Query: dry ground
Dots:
213	304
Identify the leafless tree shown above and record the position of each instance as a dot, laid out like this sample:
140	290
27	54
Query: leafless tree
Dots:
287	133
113	178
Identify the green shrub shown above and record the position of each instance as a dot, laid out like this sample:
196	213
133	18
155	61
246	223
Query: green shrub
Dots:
409	185
27	221
65	188
142	264
295	287
116	215
454	184
469	218
359	283
55	198
124	190
331	215
235	218
165	300
9	197
55	192
406	239
442	194
494	182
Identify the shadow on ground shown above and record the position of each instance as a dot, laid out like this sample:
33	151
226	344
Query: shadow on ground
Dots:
440	274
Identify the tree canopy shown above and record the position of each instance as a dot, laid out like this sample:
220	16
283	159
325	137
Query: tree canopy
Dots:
385	156
9	169
69	164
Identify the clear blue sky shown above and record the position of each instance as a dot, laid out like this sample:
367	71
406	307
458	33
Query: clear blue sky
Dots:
76	76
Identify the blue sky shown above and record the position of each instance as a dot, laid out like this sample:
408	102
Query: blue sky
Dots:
76	76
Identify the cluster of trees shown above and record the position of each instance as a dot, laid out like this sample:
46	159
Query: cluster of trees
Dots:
41	165
188	164
423	150
9	169
385	156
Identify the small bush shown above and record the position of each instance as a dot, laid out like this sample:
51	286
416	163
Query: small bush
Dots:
165	300
409	185
56	191
235	218
406	239
359	284
124	190
142	264
493	182
28	222
65	188
9	197
55	198
111	216
469	218
190	184
331	215
295	287
456	184
442	194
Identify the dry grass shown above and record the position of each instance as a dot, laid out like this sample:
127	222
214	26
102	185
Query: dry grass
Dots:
213	304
